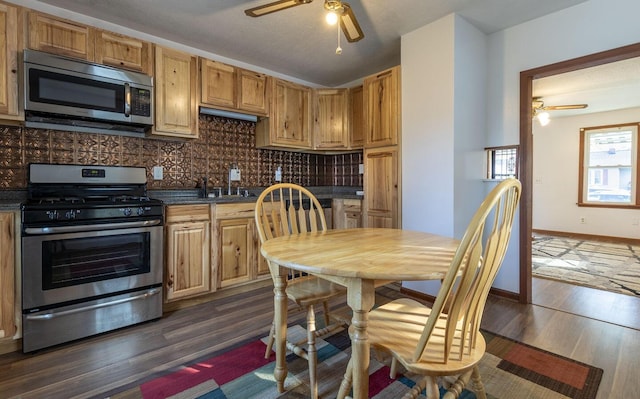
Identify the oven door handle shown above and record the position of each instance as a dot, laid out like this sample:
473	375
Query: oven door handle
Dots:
53	314
91	227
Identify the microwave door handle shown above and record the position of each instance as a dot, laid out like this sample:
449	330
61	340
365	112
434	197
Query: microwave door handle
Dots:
127	100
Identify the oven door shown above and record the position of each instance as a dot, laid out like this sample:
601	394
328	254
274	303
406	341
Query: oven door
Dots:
63	268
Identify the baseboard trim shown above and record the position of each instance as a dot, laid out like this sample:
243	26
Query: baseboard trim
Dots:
430	298
590	237
9	345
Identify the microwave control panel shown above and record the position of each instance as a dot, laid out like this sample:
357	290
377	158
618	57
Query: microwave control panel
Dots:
140	101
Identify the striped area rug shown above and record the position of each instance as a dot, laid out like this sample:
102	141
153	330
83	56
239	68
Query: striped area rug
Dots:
509	370
613	267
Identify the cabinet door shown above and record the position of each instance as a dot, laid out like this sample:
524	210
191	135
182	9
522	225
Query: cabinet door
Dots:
347	213
218	84
7	277
261	262
330	127
188	267
9	49
176	94
123	52
381	175
356	117
234	251
382	108
291	113
59	36
253	90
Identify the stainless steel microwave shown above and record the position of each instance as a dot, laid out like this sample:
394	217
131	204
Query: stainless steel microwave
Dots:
68	94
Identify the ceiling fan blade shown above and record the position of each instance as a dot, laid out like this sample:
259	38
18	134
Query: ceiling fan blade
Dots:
563	107
350	25
274	6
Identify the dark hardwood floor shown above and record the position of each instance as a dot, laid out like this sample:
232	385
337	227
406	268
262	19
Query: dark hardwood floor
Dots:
95	367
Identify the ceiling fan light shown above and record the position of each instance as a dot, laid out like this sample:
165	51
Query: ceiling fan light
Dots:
543	118
332	18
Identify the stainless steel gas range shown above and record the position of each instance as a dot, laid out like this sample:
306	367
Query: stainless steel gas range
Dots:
91	252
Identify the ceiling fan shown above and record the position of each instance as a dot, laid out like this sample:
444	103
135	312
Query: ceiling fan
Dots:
540	110
348	22
538	105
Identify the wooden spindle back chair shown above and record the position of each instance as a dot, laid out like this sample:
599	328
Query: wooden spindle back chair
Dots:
445	340
286	209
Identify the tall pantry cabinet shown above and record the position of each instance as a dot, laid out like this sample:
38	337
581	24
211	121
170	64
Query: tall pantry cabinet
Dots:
382	116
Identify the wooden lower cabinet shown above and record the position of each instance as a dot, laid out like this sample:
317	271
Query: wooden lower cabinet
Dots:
381	204
7	274
347	213
187	249
236	256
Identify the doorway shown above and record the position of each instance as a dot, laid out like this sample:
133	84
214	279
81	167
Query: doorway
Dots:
526	146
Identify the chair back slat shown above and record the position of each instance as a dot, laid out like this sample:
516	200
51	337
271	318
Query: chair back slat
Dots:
459	304
280	211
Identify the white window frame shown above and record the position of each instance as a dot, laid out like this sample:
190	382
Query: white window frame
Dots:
587	171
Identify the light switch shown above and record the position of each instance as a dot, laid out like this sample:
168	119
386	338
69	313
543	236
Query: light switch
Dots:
361	168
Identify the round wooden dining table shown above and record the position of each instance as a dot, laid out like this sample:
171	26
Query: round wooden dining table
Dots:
360	260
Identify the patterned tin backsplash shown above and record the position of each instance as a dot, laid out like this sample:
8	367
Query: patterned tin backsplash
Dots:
222	142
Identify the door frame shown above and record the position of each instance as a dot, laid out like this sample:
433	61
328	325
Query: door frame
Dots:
526	145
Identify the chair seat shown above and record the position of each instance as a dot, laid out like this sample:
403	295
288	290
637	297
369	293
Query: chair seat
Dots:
312	290
396	327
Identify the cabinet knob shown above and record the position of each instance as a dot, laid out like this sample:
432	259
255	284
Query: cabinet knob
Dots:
170	281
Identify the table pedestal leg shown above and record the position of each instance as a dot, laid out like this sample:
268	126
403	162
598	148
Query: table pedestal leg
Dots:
360	297
280	320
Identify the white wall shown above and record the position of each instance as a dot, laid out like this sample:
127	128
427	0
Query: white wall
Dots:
587	28
443	119
431	104
555	179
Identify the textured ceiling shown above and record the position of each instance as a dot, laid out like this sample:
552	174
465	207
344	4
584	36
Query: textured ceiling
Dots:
604	88
297	42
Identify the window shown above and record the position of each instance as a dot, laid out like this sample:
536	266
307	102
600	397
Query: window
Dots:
502	162
609	166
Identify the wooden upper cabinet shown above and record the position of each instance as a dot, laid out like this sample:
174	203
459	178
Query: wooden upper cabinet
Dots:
10	47
356	117
382	108
123	52
330	122
253	91
176	94
59	36
289	122
218	84
227	87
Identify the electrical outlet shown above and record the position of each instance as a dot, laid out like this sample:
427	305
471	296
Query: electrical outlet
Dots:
278	176
157	173
361	168
234	174
583	220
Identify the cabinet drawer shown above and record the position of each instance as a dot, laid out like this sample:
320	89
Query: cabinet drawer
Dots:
187	213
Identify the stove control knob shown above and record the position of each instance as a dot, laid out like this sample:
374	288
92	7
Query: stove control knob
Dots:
140	211
53	215
127	211
70	215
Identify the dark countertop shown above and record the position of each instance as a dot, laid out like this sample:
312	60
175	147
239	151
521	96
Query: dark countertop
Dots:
177	197
10	200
